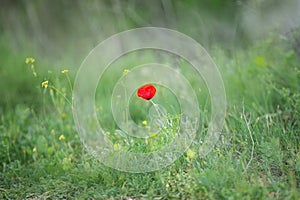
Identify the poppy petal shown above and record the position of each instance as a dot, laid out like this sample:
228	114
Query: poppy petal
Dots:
146	92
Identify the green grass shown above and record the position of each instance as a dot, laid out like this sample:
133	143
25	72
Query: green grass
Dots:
257	156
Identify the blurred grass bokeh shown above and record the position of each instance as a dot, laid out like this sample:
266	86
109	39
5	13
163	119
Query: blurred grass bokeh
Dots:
255	44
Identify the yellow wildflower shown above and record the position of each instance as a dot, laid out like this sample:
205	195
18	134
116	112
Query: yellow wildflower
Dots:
34	150
116	147
125	72
65	71
190	154
45	84
62	137
144	123
29	60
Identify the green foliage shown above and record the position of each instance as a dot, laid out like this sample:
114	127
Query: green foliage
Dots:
16	85
257	156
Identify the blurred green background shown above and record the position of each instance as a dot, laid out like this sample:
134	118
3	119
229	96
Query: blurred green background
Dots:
61	33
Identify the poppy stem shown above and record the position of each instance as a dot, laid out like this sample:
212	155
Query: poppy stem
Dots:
156	109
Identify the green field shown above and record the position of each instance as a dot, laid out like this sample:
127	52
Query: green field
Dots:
256	157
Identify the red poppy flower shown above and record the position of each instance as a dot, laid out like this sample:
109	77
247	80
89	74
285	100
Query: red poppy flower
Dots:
146	92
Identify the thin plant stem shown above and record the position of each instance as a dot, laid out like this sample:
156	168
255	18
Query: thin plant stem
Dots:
252	140
156	109
58	92
126	106
69	80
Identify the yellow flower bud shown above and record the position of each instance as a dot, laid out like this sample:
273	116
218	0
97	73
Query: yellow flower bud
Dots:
190	154
45	84
62	137
125	72
65	71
